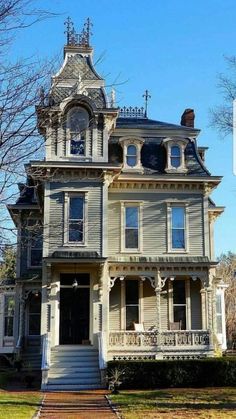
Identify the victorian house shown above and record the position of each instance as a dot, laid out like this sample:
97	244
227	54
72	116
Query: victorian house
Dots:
115	236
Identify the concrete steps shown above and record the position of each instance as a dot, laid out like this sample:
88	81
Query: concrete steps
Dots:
74	368
31	360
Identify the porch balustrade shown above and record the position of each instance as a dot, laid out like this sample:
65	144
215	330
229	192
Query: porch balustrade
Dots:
155	339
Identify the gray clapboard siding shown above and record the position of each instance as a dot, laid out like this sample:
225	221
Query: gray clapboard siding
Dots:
154	220
94	213
149	306
196	318
115	307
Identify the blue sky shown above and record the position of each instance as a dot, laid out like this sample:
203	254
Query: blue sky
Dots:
173	48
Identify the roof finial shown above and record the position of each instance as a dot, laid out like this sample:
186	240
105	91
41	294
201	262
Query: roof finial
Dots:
73	38
146	96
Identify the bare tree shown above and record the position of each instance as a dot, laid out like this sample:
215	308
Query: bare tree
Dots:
20	86
222	115
227	270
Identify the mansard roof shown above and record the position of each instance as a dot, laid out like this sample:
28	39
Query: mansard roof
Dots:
153	124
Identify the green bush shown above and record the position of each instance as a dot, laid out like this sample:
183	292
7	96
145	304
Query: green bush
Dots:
210	372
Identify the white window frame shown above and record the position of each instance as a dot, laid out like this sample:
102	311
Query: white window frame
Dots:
185	206
29	247
138	143
139	205
67	196
168	144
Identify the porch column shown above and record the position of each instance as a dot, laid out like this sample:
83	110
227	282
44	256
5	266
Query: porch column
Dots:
46	269
104	298
158	300
203	308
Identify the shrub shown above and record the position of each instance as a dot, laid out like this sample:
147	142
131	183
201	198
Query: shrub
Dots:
209	372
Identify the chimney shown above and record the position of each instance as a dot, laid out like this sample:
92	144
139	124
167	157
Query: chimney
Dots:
187	119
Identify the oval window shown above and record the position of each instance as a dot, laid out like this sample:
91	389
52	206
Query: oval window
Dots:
131	156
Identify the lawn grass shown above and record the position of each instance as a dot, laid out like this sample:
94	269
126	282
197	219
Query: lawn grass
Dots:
205	403
19	404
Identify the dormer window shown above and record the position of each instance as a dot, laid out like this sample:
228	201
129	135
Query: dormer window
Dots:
175	161
132	153
77	124
131	156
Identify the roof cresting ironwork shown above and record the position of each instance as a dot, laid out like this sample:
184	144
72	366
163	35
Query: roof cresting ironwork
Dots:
74	38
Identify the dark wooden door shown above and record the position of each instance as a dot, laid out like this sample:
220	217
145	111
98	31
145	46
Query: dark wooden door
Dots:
74	316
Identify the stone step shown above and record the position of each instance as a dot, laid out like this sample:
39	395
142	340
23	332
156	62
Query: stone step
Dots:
74	380
70	374
74	369
74	387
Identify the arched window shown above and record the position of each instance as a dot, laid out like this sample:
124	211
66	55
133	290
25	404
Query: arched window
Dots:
77	122
175	156
131	155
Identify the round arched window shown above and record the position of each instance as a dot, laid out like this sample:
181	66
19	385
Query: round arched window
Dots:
131	155
77	122
175	156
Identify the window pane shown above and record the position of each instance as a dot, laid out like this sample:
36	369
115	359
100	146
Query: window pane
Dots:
179	292
180	315
218	304
131	238
175	161
8	326
77	146
178	240
178	217
9	306
78	119
131	317
131	161
131	217
76	232
219	324
175	151
131	150
131	288
76	208
35	304
36	257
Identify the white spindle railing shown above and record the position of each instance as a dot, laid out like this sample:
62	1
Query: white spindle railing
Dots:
155	339
46	352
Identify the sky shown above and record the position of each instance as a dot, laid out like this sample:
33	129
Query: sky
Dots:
173	48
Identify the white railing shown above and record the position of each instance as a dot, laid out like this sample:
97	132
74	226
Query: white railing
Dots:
46	352
155	339
133	339
102	350
185	338
19	344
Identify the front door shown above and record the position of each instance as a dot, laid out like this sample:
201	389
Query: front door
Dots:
74	309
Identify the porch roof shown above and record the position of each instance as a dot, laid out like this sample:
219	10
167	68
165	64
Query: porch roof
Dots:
163	259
